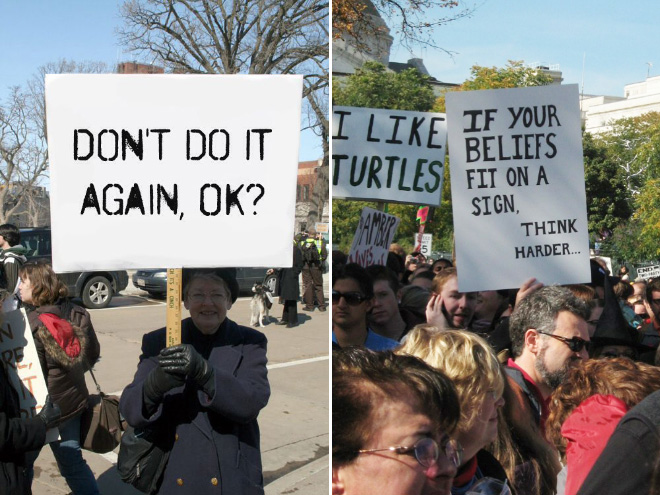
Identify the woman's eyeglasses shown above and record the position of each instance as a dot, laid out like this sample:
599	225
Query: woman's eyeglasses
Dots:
575	344
427	451
351	298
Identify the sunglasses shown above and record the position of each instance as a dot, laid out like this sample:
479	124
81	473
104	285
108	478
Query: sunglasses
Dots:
427	451
575	344
351	298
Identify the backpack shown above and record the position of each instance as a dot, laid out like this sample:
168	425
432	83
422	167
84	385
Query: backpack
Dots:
310	253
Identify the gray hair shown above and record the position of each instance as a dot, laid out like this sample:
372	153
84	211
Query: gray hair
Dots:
539	310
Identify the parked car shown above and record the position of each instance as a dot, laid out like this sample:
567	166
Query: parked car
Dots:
155	281
96	289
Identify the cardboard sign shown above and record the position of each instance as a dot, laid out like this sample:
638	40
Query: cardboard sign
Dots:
647	272
388	155
373	237
518	195
22	367
172	170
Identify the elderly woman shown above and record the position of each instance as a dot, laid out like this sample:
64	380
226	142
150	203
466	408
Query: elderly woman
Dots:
469	362
67	347
392	417
204	394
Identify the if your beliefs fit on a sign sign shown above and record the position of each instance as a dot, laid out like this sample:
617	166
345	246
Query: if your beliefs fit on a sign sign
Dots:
517	180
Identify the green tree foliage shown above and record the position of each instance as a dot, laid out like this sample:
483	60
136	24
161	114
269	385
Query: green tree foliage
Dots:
373	86
608	199
514	75
629	163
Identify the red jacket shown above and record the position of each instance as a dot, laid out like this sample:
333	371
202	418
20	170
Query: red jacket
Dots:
587	430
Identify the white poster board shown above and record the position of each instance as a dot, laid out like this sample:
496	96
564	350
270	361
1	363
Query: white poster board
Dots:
172	170
388	155
517	181
646	272
22	367
373	237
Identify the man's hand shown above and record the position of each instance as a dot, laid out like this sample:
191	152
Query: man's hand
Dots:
184	360
528	287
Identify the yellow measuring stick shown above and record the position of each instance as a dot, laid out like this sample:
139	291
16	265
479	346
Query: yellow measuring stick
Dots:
173	326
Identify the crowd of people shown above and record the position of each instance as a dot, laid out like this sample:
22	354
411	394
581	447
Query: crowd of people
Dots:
555	386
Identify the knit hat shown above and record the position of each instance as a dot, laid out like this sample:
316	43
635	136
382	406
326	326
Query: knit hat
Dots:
612	328
226	274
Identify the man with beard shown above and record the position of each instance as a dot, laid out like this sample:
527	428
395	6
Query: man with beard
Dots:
549	335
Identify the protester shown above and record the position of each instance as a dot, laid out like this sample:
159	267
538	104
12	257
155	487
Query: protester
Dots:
392	421
204	395
471	364
385	318
491	305
67	347
447	307
586	408
12	258
287	288
20	438
352	299
422	277
549	336
440	264
624	275
651	330
628	464
414	300
314	253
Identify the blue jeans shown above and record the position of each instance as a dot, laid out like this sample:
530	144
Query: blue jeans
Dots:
69	459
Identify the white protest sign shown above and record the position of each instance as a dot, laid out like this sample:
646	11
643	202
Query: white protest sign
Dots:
425	245
388	155
517	181
172	170
646	272
21	364
373	237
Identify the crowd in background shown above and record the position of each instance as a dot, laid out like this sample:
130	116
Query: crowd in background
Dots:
552	389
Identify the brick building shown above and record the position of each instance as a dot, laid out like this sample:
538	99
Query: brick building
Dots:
312	195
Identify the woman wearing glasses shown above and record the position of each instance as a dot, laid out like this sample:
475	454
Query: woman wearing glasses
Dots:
470	363
392	417
201	398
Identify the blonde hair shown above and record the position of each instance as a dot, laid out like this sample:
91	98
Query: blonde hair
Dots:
465	358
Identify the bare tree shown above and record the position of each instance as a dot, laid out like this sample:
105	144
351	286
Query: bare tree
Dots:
23	146
241	37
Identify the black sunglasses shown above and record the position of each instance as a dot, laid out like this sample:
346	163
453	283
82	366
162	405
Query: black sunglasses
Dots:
575	344
351	298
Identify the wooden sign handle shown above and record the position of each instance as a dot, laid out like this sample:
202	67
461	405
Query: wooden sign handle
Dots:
173	326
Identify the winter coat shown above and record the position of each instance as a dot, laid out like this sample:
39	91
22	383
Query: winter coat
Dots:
587	430
288	285
216	439
17	436
65	376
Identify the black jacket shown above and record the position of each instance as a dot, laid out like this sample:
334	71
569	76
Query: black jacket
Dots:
288	286
17	436
65	377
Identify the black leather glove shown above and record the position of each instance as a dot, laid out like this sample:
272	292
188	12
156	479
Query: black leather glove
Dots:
50	414
184	360
158	382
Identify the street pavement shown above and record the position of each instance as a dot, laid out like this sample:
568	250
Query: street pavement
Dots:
294	425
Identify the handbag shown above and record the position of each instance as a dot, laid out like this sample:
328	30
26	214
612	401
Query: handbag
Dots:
143	455
100	424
